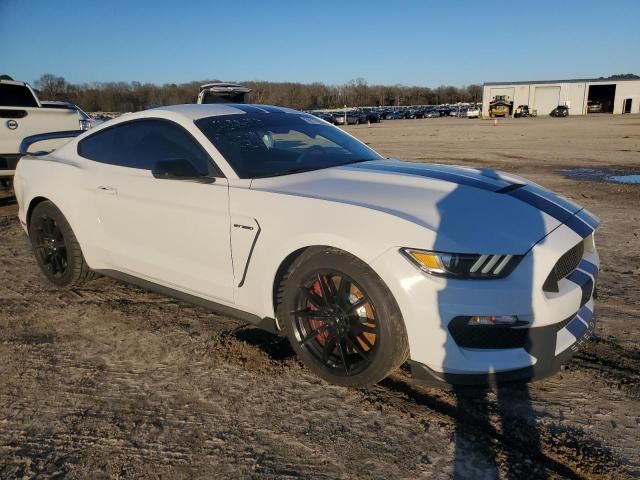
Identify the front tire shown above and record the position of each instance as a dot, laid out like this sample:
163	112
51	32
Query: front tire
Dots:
56	248
341	319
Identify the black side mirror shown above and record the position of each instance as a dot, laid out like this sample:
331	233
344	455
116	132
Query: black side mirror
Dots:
178	169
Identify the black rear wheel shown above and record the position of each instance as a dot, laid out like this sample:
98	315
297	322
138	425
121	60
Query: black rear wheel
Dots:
341	319
56	248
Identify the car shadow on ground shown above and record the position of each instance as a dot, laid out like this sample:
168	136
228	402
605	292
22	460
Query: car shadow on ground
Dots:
494	438
276	347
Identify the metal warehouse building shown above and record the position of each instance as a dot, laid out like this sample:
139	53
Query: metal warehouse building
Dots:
607	96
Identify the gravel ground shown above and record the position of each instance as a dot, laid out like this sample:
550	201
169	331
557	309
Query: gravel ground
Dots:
111	382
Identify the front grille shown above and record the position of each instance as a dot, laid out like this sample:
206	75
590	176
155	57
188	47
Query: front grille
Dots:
488	337
564	267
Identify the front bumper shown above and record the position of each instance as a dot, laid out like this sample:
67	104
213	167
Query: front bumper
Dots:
543	345
559	322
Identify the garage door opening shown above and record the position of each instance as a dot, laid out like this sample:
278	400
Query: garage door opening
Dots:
600	99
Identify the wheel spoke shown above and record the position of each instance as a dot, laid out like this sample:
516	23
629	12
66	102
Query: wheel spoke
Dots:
314	333
342	296
329	347
367	328
356	345
343	357
365	340
318	314
312	298
55	265
49	227
326	294
355	306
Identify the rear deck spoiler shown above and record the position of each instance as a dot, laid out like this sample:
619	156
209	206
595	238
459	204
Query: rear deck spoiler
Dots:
41	137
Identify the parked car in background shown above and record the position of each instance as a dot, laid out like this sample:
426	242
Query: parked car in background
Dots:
560	111
432	113
195	202
521	111
86	121
362	116
374	117
594	106
22	114
473	112
328	117
220	92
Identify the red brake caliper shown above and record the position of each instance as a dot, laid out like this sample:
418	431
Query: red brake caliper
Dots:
313	323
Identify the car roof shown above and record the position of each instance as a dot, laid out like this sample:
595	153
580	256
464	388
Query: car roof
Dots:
195	111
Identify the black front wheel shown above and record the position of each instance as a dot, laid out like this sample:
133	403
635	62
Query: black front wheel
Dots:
341	319
56	248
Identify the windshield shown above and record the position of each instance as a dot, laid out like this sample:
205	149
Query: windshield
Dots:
271	144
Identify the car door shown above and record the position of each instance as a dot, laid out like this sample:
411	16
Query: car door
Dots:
173	232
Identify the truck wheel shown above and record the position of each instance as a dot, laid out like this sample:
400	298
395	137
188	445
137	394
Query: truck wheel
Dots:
56	248
341	319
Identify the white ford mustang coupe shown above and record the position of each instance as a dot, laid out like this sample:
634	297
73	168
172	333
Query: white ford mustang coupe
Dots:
285	221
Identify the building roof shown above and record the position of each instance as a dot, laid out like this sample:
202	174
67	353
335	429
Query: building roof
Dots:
571	80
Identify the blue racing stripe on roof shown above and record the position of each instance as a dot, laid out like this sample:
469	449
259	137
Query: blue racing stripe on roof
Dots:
248	108
429	173
271	109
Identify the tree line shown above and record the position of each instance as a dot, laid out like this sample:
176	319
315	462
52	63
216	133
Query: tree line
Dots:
134	96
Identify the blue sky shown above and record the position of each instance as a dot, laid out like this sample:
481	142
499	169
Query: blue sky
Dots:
425	43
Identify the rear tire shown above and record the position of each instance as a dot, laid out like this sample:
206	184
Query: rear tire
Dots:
341	319
56	247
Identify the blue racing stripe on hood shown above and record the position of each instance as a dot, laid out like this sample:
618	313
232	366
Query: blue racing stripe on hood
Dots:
580	227
542	203
583	224
557	207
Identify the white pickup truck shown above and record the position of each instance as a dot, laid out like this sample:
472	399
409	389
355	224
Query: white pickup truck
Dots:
219	92
22	115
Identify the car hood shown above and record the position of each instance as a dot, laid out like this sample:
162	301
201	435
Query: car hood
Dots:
470	210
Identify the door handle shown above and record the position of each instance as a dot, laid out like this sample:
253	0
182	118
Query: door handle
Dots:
106	189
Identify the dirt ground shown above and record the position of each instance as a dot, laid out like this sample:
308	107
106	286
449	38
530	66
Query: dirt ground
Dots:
111	382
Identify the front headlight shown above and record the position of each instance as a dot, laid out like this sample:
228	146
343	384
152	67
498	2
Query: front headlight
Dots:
462	265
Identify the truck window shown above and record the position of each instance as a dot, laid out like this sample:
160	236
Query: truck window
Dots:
224	97
16	96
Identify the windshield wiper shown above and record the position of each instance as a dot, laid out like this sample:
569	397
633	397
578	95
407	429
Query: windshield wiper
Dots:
290	171
360	160
309	169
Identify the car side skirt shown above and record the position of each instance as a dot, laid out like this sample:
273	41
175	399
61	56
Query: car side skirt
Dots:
266	323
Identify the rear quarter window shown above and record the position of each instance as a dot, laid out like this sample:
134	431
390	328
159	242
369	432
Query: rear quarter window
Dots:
16	96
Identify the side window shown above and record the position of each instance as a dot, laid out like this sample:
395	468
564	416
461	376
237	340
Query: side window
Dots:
141	143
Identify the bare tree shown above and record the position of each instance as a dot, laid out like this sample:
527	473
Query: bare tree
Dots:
52	87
